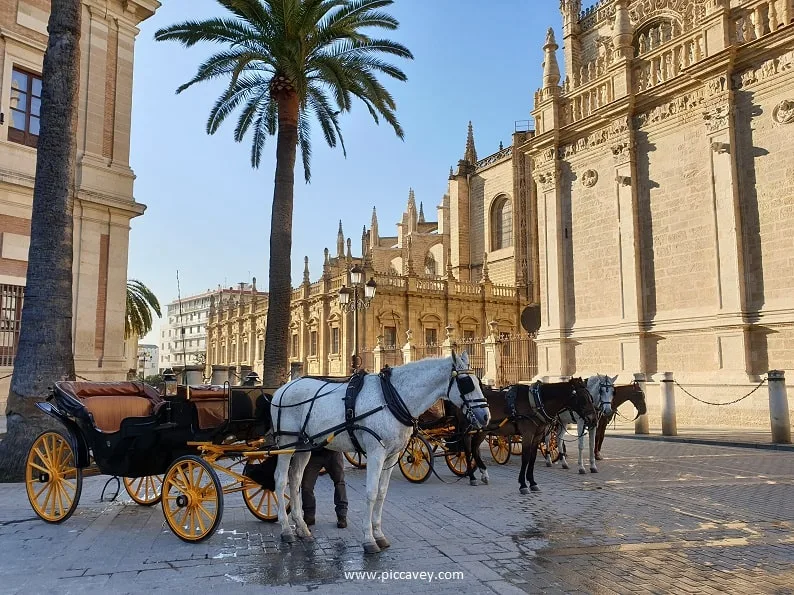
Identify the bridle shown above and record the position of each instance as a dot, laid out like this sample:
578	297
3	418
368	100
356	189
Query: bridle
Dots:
580	400
465	384
603	387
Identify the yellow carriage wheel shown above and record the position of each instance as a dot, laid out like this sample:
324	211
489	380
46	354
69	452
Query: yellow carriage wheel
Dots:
146	491
356	459
456	461
500	448
262	502
52	479
192	499
416	461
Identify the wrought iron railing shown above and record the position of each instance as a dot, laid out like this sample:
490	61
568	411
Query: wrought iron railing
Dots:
11	298
518	359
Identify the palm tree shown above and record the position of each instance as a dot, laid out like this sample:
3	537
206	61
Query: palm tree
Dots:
44	353
140	303
288	62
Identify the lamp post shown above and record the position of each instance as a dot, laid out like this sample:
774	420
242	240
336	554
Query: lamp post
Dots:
350	301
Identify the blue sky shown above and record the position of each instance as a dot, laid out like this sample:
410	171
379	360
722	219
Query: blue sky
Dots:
208	212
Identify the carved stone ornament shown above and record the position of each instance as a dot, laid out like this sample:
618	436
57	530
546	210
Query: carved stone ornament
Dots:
546	180
589	178
717	118
784	112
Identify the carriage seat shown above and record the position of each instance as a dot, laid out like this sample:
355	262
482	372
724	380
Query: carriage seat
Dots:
211	401
434	414
111	402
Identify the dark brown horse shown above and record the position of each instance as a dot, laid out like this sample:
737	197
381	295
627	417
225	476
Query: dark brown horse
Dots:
527	410
624	392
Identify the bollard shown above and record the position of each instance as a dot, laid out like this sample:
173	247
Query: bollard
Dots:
194	375
778	407
220	374
641	423
668	405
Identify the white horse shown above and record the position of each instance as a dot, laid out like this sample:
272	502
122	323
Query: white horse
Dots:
308	411
602	388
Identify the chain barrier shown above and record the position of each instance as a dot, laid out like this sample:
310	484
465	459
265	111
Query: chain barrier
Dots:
6	376
760	384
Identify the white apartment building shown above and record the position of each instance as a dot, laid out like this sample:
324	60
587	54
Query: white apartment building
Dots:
148	360
183	335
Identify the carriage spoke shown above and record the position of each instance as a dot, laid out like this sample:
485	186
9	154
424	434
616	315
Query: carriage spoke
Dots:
40	468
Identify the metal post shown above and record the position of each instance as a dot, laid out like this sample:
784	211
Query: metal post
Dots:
354	360
668	405
778	407
641	423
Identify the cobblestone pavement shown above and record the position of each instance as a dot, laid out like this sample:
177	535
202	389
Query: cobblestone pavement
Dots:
660	517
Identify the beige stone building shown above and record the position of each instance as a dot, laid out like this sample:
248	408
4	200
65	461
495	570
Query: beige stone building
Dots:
104	202
458	277
662	162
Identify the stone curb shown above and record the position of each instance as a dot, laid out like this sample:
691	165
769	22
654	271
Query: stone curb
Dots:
707	441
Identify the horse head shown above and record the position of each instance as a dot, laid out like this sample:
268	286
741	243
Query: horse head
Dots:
637	398
602	389
582	402
464	392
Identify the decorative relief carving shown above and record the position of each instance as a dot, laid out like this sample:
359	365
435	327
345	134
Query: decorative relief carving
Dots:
717	118
589	178
544	157
766	70
546	180
617	128
642	11
784	112
680	105
621	150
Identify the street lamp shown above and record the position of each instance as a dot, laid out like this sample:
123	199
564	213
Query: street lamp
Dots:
169	379
350	301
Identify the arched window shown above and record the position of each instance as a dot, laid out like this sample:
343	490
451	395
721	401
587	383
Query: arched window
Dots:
430	265
502	224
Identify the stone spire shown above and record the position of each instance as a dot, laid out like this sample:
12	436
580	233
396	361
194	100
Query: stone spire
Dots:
421	213
551	70
411	211
621	30
408	266
373	230
326	261
340	242
485	277
349	251
451	173
364	242
470	155
306	278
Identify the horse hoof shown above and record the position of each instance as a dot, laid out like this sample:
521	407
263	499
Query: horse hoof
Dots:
473	482
288	537
524	491
565	466
382	542
548	463
582	471
534	488
371	548
598	457
484	480
593	470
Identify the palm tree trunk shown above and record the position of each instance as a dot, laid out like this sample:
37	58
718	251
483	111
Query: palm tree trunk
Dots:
280	278
44	354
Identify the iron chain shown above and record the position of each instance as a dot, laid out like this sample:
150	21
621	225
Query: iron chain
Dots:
760	384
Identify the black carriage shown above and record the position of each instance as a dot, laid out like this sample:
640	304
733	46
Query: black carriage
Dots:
167	449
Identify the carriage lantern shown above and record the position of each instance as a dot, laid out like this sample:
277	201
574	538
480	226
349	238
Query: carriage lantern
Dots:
169	378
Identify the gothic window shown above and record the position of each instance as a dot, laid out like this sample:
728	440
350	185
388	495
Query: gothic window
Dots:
502	224
430	265
313	343
335	339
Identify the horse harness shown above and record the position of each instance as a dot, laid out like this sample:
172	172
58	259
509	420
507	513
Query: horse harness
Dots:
538	412
394	403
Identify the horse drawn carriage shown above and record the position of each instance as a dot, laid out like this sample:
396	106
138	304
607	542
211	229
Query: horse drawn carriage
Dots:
167	449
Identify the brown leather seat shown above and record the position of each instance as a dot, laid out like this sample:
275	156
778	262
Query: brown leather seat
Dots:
111	402
211	401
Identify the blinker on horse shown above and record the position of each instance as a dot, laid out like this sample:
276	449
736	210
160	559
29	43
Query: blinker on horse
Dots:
310	412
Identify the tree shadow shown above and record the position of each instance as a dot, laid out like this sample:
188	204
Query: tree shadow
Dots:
644	186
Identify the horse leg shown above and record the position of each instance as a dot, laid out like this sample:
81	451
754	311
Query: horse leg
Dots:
383	488
600	432
282	469
375	463
593	468
477	442
547	440
561	446
533	455
580	433
523	472
468	449
299	462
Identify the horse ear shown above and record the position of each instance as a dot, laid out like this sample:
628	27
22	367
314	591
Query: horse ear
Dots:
614	378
